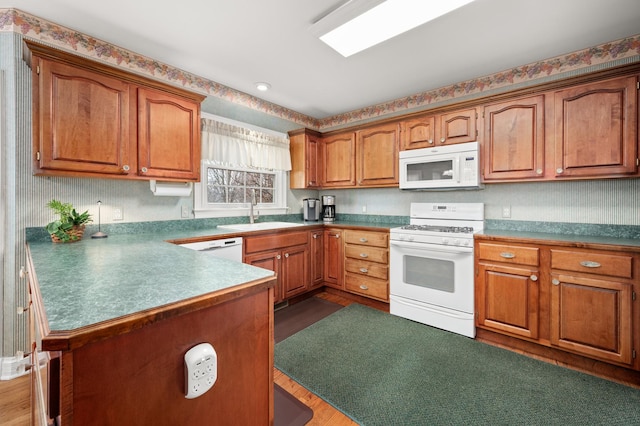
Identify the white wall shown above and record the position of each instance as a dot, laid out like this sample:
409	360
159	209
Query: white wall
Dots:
611	201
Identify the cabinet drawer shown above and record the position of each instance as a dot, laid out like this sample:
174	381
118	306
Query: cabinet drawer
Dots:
509	253
600	263
369	269
376	239
372	254
367	286
275	241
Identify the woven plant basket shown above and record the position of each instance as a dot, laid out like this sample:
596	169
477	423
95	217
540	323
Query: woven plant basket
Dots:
75	233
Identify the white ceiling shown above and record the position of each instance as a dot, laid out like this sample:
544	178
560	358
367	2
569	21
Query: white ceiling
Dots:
240	42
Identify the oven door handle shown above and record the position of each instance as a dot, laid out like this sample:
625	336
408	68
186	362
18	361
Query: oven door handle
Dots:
431	247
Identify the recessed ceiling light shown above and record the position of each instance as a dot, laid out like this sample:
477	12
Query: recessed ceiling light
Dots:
263	87
381	22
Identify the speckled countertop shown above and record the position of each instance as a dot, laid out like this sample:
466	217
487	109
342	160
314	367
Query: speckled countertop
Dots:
632	244
96	280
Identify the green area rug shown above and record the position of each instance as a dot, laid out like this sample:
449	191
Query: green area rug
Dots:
384	370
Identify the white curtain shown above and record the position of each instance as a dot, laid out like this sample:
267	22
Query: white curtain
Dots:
231	145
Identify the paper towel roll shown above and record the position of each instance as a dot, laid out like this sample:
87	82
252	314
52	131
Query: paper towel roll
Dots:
170	189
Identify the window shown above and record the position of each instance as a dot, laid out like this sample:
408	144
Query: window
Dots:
228	191
240	164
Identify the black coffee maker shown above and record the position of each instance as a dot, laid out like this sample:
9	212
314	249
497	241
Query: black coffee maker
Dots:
328	208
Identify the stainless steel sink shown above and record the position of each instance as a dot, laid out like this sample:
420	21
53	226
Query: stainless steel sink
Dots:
259	226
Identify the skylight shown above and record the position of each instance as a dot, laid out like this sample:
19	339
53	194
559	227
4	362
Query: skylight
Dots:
385	21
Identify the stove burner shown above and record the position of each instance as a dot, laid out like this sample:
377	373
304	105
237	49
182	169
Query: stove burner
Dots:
435	228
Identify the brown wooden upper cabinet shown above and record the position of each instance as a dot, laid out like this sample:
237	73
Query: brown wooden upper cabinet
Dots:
514	139
93	120
595	129
367	157
377	155
338	159
304	146
443	129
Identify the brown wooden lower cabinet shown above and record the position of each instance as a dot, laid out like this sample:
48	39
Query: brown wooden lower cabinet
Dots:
333	258
561	295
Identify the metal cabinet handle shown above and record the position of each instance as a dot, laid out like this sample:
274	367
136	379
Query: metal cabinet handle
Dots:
555	281
278	257
126	168
442	140
364	270
337	235
430	141
144	170
286	255
315	236
507	255
364	287
539	171
363	240
534	278
365	255
590	264
559	170
23	272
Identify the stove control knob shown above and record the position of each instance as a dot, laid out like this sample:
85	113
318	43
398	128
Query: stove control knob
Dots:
465	243
445	241
410	238
456	242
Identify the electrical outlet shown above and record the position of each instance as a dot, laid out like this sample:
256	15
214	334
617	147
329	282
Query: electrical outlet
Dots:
201	370
364	208
506	211
118	213
186	212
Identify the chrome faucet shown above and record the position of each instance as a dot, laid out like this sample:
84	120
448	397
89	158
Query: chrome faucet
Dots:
252	216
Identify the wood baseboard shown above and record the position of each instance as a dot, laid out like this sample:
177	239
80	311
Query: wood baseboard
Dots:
625	376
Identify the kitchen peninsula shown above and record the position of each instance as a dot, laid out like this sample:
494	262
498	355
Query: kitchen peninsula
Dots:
145	303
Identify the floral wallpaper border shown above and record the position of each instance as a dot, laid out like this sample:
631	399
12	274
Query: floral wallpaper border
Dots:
14	20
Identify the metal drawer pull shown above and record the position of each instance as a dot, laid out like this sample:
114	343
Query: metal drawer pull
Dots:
555	281
364	270
364	287
315	235
278	257
507	255
363	240
364	255
337	235
590	264
534	278
286	255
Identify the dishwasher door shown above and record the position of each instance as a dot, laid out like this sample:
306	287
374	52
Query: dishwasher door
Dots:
228	248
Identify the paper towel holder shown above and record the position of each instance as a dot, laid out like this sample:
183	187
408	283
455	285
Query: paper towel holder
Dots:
170	189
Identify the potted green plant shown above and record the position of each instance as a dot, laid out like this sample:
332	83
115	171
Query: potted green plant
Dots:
70	225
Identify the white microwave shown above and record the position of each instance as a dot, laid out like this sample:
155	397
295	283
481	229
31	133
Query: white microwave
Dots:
446	167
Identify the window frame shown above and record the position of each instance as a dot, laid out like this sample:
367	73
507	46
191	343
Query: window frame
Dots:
204	209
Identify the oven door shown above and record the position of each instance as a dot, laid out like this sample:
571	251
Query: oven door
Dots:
434	274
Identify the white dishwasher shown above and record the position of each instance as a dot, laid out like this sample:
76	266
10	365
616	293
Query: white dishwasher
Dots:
228	248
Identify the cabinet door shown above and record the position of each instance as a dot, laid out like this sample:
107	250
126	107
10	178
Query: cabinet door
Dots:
295	270
458	127
592	317
333	259
514	139
305	161
81	121
168	136
595	129
338	158
418	133
316	253
377	156
507	299
269	260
